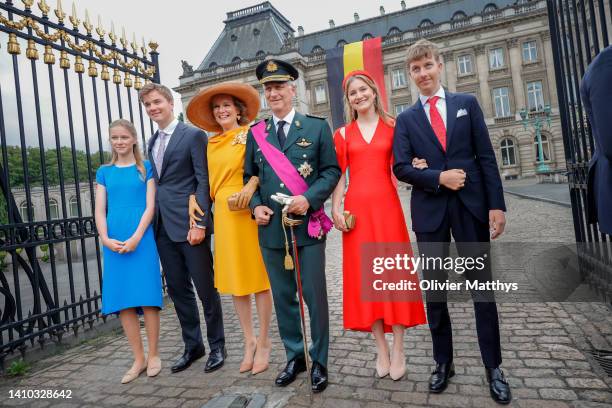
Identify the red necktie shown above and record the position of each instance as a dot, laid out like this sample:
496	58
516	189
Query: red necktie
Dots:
436	121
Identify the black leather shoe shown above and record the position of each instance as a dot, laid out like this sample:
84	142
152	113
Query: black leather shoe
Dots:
188	357
291	370
498	386
216	359
318	377
439	377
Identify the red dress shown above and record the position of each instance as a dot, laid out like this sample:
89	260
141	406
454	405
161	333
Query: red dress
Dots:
380	220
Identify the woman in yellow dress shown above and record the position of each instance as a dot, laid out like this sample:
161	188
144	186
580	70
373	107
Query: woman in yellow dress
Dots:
226	110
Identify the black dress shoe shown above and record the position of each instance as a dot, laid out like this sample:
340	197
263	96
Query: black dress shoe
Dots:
188	357
439	377
216	359
498	386
318	377
291	370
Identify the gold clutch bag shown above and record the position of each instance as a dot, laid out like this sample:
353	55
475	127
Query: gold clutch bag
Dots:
232	202
349	220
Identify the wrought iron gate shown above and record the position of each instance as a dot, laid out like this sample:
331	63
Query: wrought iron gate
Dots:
579	31
56	100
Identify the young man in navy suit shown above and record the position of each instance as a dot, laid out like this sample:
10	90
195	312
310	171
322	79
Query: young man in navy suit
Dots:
459	193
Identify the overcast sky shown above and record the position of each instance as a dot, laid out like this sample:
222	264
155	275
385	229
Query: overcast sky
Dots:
186	29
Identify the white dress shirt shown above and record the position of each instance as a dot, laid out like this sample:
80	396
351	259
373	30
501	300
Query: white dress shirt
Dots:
440	104
288	119
167	130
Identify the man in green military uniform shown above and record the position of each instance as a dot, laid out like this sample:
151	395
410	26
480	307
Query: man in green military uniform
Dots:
302	146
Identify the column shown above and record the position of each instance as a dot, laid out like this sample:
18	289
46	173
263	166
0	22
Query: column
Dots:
482	64
516	67
451	71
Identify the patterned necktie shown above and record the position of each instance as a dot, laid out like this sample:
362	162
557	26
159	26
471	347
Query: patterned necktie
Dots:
161	149
436	121
281	133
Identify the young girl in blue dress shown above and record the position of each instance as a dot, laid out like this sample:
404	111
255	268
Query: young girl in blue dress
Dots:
125	200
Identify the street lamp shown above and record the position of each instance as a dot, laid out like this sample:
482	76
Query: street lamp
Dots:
537	122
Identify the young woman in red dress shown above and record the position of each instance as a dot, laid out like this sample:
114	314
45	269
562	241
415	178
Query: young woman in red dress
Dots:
364	146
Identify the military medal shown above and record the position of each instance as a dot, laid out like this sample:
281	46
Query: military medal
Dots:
303	143
305	169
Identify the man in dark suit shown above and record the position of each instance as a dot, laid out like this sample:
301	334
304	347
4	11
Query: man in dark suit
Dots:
595	90
178	155
459	193
306	147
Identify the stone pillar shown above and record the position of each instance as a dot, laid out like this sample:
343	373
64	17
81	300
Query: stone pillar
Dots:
414	91
547	59
450	68
516	67
482	65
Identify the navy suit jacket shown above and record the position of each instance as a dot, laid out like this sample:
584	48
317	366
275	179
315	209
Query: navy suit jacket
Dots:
595	90
184	172
468	148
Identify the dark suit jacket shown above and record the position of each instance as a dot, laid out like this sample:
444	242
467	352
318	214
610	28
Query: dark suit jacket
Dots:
320	154
468	148
596	91
184	172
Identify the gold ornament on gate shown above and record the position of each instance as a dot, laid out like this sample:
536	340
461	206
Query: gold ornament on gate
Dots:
92	71
116	76
127	81
48	56
59	12
31	51
137	84
79	68
13	45
74	18
44	7
105	75
64	61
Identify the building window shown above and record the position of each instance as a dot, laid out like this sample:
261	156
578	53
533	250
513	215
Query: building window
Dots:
508	152
317	49
545	148
320	94
236	60
496	58
262	100
74	207
502	102
530	51
53	209
23	211
367	36
398	77
341	43
260	54
535	96
464	63
400	108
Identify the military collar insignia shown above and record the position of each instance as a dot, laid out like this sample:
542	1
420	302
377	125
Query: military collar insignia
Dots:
298	124
305	169
271	67
303	143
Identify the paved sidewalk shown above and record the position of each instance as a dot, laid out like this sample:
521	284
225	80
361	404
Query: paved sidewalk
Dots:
547	192
545	350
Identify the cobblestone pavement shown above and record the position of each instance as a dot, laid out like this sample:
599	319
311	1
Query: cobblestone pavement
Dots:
545	351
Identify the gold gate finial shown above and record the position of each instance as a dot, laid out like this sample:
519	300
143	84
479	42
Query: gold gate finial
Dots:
74	18
112	34
27	4
44	7
59	12
100	29
123	38
87	23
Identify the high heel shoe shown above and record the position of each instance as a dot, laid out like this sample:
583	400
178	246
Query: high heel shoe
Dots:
396	372
153	366
132	374
247	361
382	368
262	359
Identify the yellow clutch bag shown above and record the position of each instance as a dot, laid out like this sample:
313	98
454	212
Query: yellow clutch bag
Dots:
232	203
349	220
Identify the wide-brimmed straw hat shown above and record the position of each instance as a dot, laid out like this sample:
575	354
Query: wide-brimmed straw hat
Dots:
200	113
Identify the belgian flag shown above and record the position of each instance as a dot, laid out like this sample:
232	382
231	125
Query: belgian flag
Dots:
365	55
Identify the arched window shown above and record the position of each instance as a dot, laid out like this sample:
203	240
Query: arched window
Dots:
341	43
53	209
23	211
212	65
508	152
459	15
367	36
545	147
73	206
426	23
317	49
236	60
394	31
489	8
260	54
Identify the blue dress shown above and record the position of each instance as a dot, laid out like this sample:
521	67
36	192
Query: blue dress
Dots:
132	279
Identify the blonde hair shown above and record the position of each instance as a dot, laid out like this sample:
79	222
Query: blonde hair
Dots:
351	114
129	126
422	49
152	86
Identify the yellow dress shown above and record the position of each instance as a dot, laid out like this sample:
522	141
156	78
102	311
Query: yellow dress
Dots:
239	267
